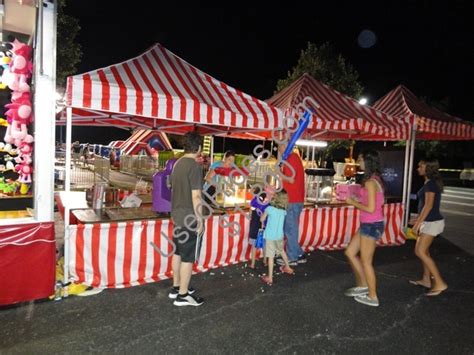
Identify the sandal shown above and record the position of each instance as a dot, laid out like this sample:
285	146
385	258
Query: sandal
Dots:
433	293
286	270
418	283
267	280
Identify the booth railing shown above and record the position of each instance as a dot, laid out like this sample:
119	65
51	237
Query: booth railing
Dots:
140	165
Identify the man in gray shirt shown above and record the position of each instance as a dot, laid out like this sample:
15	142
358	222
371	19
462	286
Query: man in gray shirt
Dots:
186	186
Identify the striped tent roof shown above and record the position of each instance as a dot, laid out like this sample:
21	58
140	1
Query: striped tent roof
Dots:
160	90
339	116
431	122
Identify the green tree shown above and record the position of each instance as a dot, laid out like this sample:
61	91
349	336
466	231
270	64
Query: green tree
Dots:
332	69
327	66
68	51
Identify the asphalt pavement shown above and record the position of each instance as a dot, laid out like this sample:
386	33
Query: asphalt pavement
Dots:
305	313
457	207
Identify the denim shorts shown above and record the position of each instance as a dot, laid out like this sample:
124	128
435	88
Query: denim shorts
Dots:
372	230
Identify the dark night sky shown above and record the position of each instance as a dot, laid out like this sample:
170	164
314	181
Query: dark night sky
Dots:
425	45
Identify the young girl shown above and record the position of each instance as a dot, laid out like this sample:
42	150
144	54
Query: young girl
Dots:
275	218
371	229
258	204
428	225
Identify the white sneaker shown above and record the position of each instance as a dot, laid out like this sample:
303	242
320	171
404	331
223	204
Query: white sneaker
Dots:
356	291
188	300
174	292
364	299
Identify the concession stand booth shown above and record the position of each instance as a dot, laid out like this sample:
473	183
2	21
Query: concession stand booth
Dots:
427	123
27	104
330	225
161	91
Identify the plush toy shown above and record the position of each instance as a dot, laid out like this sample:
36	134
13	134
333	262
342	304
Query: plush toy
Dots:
25	172
7	148
21	67
25	148
24	157
23	163
19	116
5	59
8	188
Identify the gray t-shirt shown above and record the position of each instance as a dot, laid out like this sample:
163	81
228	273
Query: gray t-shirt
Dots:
186	176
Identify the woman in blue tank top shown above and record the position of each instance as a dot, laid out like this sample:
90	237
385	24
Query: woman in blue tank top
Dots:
428	224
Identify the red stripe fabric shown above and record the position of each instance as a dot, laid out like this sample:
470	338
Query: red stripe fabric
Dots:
122	90
87	95
338	112
138	90
219	248
105	104
127	254
156	255
95	248
79	255
111	255
431	123
143	253
165	87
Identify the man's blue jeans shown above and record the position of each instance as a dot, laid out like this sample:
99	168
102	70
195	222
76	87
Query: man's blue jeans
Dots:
291	229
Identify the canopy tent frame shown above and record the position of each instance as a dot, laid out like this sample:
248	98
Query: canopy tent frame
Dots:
428	123
339	116
358	121
159	90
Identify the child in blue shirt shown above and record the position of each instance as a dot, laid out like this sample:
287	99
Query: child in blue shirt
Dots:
275	219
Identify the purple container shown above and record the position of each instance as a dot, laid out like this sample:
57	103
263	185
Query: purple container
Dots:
161	194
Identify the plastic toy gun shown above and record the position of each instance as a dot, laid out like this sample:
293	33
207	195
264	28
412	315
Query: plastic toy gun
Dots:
302	125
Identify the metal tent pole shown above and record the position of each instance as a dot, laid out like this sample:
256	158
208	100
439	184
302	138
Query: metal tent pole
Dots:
212	149
405	169
410	174
67	190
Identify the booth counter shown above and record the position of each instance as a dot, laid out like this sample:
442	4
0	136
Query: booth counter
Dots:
124	254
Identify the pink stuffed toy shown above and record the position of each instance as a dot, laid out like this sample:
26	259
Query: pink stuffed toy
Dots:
25	172
25	149
24	161
21	67
19	116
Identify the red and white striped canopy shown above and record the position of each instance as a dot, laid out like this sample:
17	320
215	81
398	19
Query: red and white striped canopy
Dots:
339	116
431	123
160	90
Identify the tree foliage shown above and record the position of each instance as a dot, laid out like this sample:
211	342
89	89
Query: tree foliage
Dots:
327	66
68	51
332	69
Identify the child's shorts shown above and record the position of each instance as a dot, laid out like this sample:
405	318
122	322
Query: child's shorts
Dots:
372	230
273	248
254	227
433	228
